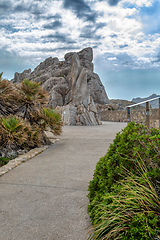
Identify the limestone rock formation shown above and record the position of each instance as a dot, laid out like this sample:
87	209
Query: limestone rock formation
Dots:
72	85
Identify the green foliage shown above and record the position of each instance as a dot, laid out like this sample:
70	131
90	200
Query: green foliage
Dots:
133	145
30	102
31	91
142	226
27	118
14	130
52	120
129	212
7	96
3	161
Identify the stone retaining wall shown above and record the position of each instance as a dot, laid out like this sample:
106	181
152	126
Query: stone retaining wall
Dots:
139	116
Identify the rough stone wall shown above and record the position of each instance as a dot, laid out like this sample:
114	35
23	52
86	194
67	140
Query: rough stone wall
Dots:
139	116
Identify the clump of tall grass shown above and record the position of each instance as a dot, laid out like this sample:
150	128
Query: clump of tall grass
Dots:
124	193
130	211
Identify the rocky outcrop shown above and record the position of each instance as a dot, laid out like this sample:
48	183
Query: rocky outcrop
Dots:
71	84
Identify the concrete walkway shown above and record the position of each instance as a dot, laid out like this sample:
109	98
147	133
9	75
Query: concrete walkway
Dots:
45	198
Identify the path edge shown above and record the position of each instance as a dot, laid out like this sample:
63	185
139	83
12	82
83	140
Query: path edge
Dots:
24	158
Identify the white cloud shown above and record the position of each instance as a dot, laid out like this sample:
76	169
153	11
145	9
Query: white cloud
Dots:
121	31
144	59
112	58
139	3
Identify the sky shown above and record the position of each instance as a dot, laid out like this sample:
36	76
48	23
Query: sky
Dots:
124	35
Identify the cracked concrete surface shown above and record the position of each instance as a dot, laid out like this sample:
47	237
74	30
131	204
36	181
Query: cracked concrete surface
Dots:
45	198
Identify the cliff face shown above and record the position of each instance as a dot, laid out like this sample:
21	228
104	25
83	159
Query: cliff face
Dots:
72	85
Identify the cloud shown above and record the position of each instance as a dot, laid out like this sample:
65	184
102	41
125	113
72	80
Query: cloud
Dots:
89	32
22	8
4	5
100	25
123	46
78	5
56	16
53	25
150	17
111	27
60	37
81	8
144	60
113	2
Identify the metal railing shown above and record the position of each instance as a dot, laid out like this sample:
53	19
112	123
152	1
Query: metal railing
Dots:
147	110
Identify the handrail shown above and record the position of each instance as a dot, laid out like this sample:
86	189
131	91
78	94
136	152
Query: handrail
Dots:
149	100
147	110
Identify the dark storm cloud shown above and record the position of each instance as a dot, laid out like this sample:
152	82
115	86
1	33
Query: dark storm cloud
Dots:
33	8
113	2
59	37
81	8
78	5
21	8
4	5
53	25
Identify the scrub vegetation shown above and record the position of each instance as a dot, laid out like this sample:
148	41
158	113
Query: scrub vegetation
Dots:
24	117
124	195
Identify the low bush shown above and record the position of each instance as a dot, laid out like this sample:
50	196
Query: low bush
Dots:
16	134
3	161
133	145
24	117
52	120
129	212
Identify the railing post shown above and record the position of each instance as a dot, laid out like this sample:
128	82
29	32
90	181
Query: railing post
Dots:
128	114
159	112
147	114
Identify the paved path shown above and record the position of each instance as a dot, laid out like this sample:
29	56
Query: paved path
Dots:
45	198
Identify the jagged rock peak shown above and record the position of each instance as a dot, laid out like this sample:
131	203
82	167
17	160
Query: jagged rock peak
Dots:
71	81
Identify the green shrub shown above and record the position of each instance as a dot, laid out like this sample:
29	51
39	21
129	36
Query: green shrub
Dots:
133	143
52	120
136	143
27	120
3	161
130	212
14	130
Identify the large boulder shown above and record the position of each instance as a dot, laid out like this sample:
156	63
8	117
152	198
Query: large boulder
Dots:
71	81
